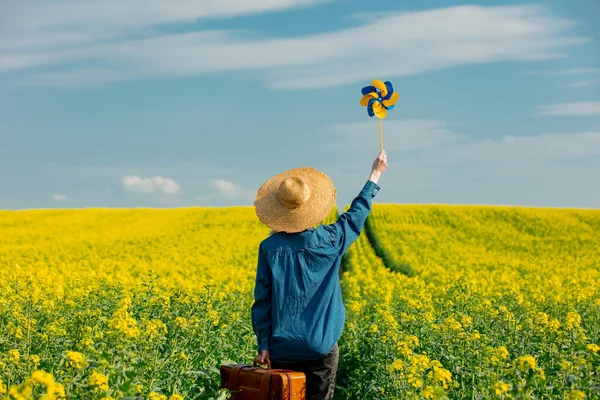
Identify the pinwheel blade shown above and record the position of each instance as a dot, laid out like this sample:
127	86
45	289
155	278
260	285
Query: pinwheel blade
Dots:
390	89
368	89
381	86
379	110
370	111
392	100
366	98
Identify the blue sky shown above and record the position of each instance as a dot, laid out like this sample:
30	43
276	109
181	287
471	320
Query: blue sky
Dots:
182	103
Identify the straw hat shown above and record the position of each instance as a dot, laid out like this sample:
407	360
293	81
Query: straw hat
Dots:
295	200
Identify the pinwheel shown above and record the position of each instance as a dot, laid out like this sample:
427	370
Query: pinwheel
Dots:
378	98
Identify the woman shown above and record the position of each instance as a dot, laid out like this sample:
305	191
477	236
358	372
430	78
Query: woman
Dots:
298	315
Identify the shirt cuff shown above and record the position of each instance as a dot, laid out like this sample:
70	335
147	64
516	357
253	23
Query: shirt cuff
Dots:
263	345
371	188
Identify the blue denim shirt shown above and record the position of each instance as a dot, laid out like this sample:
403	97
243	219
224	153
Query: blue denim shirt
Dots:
298	313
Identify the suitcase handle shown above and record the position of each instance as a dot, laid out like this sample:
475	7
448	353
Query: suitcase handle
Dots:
255	364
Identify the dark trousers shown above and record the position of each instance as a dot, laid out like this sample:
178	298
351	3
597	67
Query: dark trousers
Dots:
320	374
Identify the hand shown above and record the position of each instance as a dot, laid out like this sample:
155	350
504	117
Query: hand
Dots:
261	358
379	165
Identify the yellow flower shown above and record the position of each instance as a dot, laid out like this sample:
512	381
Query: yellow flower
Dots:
34	359
156	396
20	393
181	322
428	392
14	356
593	347
413	340
99	380
57	391
554	324
175	397
2	387
214	316
525	363
86	342
42	377
498	355
453	324
466	320
416	382
76	359
565	365
354	306
501	388
502	352
573	320
397	365
123	322
373	328
404	349
155	328
442	376
577	395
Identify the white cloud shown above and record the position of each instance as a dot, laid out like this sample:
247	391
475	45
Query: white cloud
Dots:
63	198
154	184
46	23
404	135
571	71
510	149
441	146
559	169
581	84
224	187
552	169
226	193
404	43
575	108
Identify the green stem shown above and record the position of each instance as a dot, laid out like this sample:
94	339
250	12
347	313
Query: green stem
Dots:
153	368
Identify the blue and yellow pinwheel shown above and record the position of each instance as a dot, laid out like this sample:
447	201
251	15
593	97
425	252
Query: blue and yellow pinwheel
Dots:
378	98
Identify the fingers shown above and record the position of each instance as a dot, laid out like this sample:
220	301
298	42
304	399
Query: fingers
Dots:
382	157
265	357
261	358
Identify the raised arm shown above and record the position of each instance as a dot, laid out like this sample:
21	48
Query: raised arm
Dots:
349	225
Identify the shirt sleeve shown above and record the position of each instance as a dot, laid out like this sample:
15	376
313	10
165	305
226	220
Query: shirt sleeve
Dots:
261	308
349	225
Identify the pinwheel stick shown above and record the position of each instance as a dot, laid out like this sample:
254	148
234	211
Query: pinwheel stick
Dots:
380	135
379	97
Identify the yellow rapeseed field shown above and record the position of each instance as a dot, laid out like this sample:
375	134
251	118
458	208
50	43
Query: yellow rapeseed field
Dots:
147	303
102	304
507	299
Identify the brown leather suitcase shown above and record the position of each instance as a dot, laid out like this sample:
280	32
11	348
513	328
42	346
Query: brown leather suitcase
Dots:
250	382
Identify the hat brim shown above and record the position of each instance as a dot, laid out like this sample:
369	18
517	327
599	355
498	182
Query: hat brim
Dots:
311	213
